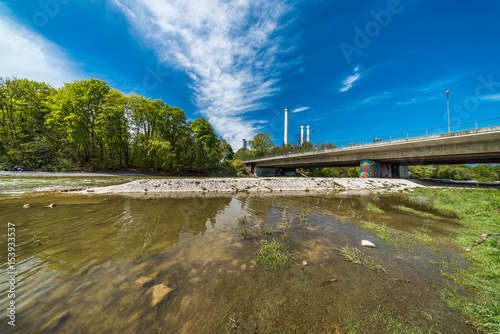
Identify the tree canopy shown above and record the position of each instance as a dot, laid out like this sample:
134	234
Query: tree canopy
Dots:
86	123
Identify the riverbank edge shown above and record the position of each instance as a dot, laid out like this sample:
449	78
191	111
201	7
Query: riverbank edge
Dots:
256	185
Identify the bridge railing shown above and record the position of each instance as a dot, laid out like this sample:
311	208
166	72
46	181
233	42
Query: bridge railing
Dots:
477	125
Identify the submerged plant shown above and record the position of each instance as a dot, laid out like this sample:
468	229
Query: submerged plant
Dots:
146	238
36	241
242	220
356	256
304	218
232	323
274	255
352	254
245	233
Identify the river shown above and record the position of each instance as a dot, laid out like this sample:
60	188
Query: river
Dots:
78	263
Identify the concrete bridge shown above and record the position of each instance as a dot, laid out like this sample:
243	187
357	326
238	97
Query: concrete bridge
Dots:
391	158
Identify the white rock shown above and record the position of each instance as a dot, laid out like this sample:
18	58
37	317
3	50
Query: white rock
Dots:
304	263
366	243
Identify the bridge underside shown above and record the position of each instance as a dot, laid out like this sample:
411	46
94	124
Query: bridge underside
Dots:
467	147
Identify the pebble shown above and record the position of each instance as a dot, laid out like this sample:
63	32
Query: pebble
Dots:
304	263
26	206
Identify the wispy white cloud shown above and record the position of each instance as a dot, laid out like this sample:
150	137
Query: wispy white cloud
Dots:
229	49
350	80
27	54
378	97
300	109
494	97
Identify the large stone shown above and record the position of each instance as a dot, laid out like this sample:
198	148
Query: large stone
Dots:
160	292
57	321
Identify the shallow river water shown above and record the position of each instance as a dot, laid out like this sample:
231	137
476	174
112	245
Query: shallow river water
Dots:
78	264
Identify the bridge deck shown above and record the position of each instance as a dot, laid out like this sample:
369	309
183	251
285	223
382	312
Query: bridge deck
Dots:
461	147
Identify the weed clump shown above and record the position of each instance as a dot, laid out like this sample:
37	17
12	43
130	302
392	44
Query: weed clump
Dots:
274	255
373	208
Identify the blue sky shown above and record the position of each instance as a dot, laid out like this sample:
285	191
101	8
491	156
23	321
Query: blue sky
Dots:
350	70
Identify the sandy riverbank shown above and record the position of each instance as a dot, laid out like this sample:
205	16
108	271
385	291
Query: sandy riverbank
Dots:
227	185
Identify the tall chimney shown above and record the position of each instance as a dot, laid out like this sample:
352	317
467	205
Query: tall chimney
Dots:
286	127
301	135
308	133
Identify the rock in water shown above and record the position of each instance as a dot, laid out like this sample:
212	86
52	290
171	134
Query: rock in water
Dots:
304	263
160	292
366	243
26	206
51	205
144	281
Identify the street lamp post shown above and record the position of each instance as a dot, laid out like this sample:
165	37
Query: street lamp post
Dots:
448	105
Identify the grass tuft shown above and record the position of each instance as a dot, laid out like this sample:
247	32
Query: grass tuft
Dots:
274	255
373	208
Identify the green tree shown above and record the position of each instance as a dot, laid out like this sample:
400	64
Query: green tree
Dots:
261	144
78	107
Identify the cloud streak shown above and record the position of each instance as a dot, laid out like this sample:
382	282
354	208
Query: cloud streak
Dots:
26	54
350	80
229	49
494	97
300	109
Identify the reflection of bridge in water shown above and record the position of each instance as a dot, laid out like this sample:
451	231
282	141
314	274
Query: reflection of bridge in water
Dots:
467	143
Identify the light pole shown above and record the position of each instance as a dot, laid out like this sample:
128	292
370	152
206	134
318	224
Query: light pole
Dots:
448	104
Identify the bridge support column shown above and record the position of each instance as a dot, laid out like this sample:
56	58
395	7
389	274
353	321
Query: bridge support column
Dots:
375	169
400	172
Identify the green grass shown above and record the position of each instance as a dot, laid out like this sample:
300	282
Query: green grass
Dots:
373	208
274	255
415	212
478	211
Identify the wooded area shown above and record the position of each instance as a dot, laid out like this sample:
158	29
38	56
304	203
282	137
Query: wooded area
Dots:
87	124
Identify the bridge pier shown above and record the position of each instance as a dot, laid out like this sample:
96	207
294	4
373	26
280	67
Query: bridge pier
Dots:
376	169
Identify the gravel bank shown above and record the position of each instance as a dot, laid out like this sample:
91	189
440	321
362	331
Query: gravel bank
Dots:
228	185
